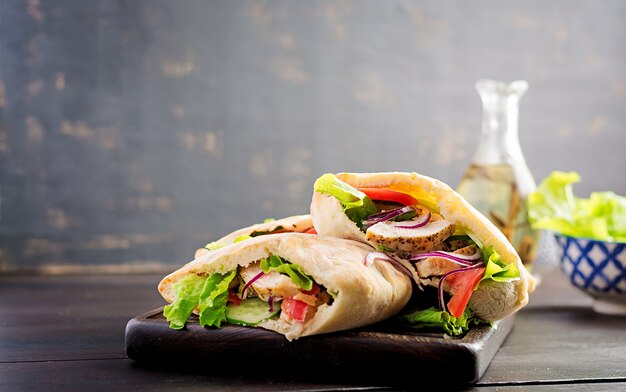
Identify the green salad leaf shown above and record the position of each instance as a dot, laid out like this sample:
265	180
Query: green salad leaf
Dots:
553	206
217	245
433	318
187	292
356	204
214	245
264	232
212	303
496	269
298	277
208	292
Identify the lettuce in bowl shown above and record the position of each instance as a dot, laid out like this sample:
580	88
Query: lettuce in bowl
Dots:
554	207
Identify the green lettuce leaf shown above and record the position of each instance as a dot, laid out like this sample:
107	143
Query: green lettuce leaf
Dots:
187	292
258	233
298	277
356	204
209	293
214	246
496	269
553	206
212	301
433	318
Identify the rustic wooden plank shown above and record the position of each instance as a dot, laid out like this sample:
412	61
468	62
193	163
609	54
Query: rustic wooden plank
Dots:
565	386
554	289
126	375
559	337
561	344
51	318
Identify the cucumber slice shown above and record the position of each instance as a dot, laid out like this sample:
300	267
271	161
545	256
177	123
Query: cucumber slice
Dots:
250	312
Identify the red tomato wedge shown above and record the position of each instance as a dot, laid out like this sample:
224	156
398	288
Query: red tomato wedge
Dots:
461	286
389	195
314	290
232	297
294	308
310	231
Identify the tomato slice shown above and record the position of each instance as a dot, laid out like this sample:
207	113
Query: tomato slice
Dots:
389	195
232	297
310	231
461	286
294	308
314	290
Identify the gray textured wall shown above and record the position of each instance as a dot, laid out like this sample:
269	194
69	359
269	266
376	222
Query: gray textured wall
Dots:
134	131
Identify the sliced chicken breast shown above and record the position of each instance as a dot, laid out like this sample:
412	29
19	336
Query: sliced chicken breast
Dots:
405	242
452	245
272	283
437	266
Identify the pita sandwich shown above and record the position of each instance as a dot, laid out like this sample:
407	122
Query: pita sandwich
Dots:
292	283
433	231
291	224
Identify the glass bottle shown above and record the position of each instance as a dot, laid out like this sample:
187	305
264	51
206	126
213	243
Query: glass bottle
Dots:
498	181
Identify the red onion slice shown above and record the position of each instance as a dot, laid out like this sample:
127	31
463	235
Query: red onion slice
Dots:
248	283
270	303
370	257
464	260
421	221
386	215
442	304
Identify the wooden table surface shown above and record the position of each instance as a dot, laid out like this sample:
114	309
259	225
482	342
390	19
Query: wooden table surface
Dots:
67	333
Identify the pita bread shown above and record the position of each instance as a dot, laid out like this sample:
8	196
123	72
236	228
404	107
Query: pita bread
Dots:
363	293
295	223
492	300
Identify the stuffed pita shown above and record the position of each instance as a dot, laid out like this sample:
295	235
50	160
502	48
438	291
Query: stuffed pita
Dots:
292	283
433	231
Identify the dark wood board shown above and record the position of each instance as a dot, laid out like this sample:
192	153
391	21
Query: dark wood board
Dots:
358	354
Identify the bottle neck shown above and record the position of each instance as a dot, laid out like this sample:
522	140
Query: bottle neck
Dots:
499	139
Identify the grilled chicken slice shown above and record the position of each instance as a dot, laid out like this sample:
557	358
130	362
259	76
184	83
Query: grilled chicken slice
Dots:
437	266
452	245
272	283
406	242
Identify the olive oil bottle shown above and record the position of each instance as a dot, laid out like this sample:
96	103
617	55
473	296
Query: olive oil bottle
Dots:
497	181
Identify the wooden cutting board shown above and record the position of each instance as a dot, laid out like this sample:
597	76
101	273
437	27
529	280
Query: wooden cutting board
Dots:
363	354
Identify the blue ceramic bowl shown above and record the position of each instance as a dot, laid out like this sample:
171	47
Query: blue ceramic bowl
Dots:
598	268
